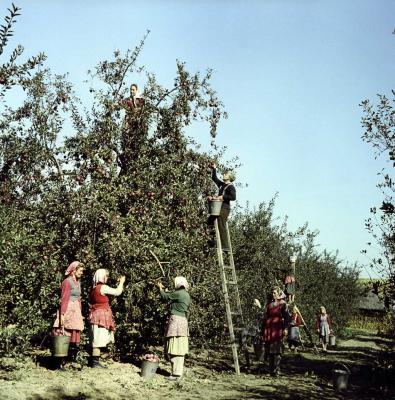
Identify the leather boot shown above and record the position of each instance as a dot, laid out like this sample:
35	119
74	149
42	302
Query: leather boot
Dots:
95	363
59	364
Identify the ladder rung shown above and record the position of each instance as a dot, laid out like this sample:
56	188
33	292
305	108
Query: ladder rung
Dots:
234	344
235	313
238	328
231	282
228	267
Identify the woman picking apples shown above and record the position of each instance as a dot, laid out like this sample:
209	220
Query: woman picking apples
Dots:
101	318
177	331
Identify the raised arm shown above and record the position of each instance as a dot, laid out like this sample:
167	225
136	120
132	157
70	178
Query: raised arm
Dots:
113	291
169	295
215	178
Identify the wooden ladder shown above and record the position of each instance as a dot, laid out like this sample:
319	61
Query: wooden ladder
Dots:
230	291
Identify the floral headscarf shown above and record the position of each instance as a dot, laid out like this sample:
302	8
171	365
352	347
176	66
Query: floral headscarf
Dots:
72	267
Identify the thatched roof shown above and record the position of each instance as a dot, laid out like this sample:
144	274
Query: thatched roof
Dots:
370	301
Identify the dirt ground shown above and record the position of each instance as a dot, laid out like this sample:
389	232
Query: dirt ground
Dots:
209	375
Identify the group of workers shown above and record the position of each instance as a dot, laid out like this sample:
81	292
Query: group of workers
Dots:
69	320
281	321
277	321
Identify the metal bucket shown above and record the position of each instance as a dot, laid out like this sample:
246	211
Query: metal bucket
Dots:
340	377
148	368
332	340
259	350
214	207
60	346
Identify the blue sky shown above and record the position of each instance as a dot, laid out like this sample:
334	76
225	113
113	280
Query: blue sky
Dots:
291	75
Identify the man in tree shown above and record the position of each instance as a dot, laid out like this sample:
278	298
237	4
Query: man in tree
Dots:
134	130
133	106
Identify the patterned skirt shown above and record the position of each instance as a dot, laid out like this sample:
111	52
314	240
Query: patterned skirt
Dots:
73	323
102	317
177	326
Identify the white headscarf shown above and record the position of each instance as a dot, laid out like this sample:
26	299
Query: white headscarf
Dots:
180	281
100	276
281	295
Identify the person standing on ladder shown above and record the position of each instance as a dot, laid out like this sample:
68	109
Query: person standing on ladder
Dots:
226	194
289	280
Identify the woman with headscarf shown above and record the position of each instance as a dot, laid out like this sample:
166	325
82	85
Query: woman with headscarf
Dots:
274	326
177	331
100	317
295	322
69	320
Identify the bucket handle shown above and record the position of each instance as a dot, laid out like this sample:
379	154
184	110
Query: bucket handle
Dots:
150	352
60	323
344	366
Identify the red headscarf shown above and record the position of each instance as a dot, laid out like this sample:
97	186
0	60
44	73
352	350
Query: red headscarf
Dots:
72	267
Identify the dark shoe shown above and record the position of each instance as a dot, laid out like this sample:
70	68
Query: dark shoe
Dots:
59	364
96	364
73	352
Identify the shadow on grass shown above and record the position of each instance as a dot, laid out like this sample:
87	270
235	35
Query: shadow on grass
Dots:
60	393
46	361
386	342
306	375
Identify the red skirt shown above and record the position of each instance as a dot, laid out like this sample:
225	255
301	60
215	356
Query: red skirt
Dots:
102	317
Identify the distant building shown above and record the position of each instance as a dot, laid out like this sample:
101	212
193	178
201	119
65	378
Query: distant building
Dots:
371	309
370	304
